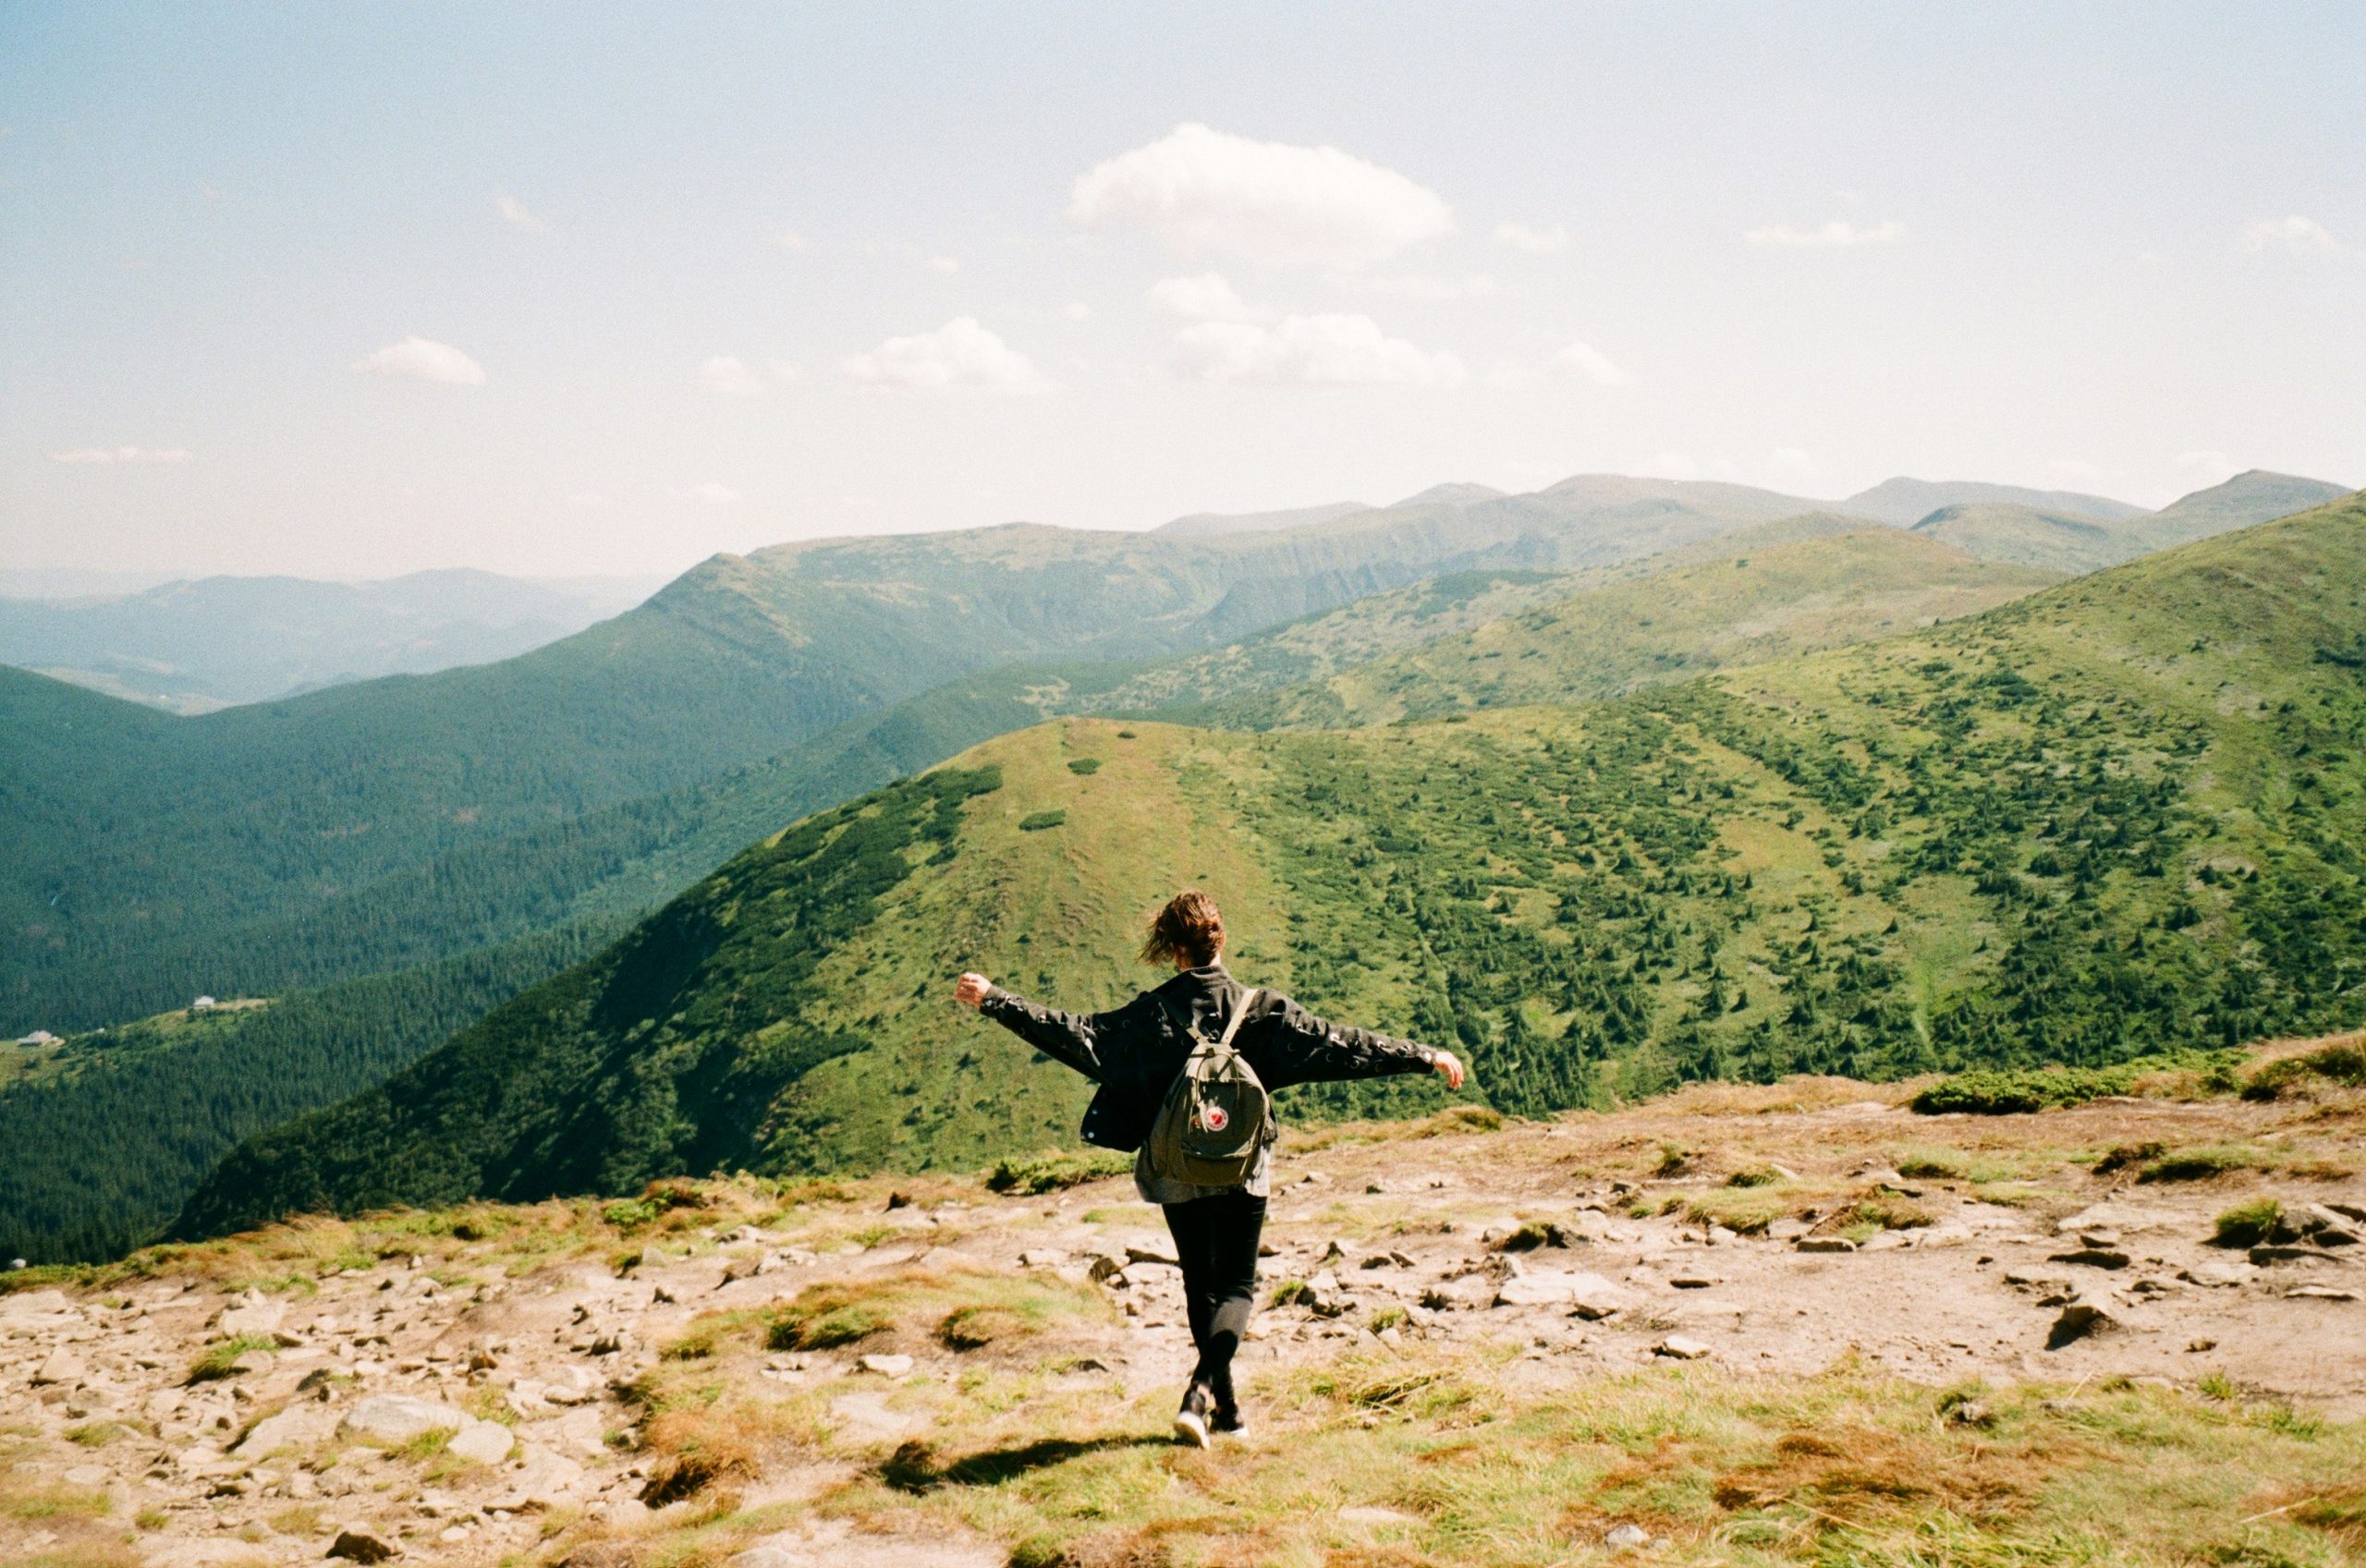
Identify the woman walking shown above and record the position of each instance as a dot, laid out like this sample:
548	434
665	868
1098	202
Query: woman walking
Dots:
1166	1055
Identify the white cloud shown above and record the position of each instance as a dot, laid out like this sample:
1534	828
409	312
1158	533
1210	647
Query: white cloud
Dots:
959	354
1535	241
710	494
1424	290
1793	462
141	456
591	500
1592	364
2077	469
425	360
1669	465
790	240
2295	234
1076	310
1336	350
1839	232
1206	298
1203	192
730	376
514	213
946	265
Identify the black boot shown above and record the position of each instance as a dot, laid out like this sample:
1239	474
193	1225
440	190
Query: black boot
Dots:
1226	1417
1192	1420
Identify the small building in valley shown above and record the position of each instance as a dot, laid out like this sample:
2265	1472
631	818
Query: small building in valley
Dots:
39	1038
202	1004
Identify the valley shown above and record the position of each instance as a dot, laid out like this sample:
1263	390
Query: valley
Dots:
1443	648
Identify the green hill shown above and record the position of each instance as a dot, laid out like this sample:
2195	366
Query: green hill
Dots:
1903	502
2116	817
144	858
2066	538
2252	497
676	837
1749	597
1996	531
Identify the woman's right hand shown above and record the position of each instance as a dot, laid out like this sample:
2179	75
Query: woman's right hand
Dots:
971	988
1450	1065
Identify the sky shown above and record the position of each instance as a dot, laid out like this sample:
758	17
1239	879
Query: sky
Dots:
349	291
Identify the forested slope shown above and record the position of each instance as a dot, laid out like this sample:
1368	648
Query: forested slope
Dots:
648	847
104	1142
144	857
2118	816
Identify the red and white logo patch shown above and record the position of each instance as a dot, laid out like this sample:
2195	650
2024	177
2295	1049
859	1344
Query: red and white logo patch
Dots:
1213	1117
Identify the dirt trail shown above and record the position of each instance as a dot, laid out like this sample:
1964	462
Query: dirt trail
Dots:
428	1404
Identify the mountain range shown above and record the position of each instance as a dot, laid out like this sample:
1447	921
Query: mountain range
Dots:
2112	817
191	646
476	816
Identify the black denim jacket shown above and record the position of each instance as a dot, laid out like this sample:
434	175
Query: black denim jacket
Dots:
1135	1052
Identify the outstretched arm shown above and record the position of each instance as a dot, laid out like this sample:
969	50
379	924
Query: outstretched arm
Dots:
1311	1049
1080	1039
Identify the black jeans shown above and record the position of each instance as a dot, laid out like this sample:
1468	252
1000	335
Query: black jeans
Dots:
1215	1240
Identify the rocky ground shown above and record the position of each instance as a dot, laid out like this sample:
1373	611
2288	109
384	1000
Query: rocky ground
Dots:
844	1373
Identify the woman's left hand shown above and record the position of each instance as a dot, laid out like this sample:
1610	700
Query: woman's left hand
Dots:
971	988
1450	1065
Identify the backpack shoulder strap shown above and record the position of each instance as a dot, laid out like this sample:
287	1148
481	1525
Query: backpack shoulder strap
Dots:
1232	1025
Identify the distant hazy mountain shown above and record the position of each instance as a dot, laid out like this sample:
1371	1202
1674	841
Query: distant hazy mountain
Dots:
2252	497
1999	531
1905	502
1210	524
194	646
2033	536
1452	494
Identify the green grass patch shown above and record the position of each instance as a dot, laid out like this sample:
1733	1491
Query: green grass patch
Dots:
962	1310
1871	1215
2248	1224
1030	1174
1925	1164
1036	822
2201	1162
2004	1091
220	1359
2343	1064
1085	766
54	1502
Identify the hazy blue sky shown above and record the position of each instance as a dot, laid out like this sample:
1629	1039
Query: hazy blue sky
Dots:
351	290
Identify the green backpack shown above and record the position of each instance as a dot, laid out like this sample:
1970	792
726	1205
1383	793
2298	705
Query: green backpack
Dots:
1213	1116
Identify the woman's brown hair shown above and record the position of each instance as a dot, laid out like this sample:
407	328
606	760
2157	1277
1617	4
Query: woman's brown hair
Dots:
1188	929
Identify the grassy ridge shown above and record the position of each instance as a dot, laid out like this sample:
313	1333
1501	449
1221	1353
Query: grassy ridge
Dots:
1765	594
2114	819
